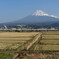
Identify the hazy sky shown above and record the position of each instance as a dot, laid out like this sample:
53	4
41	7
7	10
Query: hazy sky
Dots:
11	10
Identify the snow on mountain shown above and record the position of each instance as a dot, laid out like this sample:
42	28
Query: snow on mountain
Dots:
41	13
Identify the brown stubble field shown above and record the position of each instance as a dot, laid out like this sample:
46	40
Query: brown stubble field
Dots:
45	46
12	41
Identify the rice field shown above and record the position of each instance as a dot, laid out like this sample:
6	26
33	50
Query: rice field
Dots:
49	41
47	48
13	40
50	36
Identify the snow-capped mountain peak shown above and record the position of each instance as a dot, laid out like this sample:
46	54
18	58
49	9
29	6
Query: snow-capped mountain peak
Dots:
41	13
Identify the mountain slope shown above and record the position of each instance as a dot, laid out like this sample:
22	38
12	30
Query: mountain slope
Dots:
38	17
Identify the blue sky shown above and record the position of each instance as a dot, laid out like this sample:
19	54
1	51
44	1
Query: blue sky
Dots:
11	10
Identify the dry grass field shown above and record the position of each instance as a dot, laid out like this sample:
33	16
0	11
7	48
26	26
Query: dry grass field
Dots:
13	40
49	41
47	47
10	41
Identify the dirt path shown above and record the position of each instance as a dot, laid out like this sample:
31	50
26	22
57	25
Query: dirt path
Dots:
36	38
15	56
29	45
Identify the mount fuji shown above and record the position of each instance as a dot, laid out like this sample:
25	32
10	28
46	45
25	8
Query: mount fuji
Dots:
38	17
